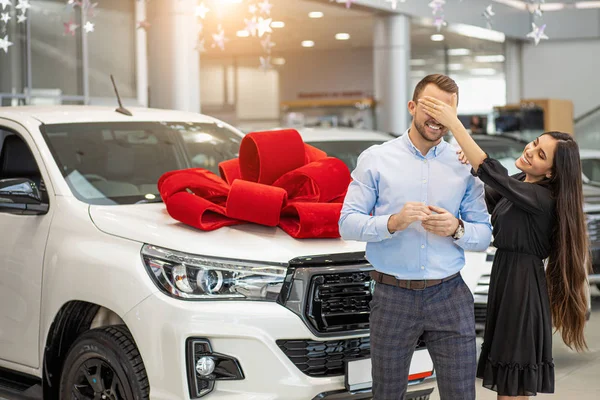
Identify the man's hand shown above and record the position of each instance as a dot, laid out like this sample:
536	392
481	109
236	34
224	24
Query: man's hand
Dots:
442	223
411	212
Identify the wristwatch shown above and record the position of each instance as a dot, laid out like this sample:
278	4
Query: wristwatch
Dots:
460	231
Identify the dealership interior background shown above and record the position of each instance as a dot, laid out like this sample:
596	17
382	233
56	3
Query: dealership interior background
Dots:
523	67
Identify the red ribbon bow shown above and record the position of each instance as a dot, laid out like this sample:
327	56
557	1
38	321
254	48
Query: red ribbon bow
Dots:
277	180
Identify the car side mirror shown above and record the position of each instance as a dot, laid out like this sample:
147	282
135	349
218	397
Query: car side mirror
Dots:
21	196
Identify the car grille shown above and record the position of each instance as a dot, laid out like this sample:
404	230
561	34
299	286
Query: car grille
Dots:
480	313
327	358
593	225
339	302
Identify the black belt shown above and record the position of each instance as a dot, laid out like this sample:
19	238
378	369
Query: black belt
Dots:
422	284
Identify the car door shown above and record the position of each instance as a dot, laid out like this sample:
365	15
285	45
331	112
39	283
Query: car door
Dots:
22	245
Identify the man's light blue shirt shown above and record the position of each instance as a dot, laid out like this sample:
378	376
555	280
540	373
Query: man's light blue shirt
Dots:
393	173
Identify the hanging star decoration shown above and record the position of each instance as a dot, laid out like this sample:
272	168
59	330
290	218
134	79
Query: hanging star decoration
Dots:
252	9
265	63
488	13
265	7
437	9
5	3
267	44
88	27
21	18
89	7
70	28
439	22
437	6
264	26
5	17
219	38
23	5
251	26
5	44
200	46
536	11
202	10
537	33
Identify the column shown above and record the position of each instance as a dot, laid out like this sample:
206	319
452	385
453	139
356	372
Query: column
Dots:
391	67
173	61
513	71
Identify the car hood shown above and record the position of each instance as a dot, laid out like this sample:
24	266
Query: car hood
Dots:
151	224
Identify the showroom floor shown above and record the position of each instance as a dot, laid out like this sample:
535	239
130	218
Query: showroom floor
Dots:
577	375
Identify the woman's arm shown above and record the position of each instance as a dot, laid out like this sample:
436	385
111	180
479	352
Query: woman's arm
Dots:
446	115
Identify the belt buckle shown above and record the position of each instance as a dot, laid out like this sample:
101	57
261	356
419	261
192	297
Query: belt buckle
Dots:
424	285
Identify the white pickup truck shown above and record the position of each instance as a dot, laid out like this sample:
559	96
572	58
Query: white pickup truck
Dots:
93	300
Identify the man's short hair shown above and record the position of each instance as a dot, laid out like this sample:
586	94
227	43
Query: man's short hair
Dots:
443	82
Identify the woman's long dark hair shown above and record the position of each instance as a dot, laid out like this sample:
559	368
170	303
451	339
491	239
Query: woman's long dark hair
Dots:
569	261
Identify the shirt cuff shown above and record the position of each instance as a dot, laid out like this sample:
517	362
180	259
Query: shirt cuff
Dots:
381	226
464	240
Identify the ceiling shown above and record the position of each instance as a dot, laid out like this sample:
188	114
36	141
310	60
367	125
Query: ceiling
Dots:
357	22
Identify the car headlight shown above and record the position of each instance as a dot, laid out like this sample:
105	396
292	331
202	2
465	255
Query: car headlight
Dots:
192	277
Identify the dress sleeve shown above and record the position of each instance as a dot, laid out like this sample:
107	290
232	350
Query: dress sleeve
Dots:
529	197
492	197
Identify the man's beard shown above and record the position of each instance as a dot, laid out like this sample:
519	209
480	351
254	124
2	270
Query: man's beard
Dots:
422	132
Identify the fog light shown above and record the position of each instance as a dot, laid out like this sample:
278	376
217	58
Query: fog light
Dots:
205	366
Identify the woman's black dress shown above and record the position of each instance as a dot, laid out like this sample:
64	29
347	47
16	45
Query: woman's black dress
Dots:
516	356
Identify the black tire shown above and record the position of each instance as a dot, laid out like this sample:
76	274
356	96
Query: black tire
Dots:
598	286
104	362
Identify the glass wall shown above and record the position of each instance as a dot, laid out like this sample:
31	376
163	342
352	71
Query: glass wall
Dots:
49	64
473	57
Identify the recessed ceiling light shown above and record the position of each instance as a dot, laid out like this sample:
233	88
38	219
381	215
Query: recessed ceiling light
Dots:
308	43
490	59
588	4
242	33
437	37
277	24
459	52
315	14
278	61
342	36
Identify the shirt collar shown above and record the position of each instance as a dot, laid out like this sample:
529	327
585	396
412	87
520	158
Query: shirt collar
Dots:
433	152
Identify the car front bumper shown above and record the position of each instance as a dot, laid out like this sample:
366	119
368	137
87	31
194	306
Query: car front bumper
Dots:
246	331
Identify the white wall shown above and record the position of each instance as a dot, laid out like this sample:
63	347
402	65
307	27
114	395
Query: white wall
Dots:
563	70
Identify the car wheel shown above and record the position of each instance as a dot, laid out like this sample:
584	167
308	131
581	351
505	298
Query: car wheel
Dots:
104	364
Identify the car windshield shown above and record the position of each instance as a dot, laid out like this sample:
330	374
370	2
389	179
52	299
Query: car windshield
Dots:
591	169
120	163
504	150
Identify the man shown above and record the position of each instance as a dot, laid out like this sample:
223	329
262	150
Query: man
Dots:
419	208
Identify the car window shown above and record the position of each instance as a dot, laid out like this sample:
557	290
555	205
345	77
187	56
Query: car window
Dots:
120	163
17	161
591	169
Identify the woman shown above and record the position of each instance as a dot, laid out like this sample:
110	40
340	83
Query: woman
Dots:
536	215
